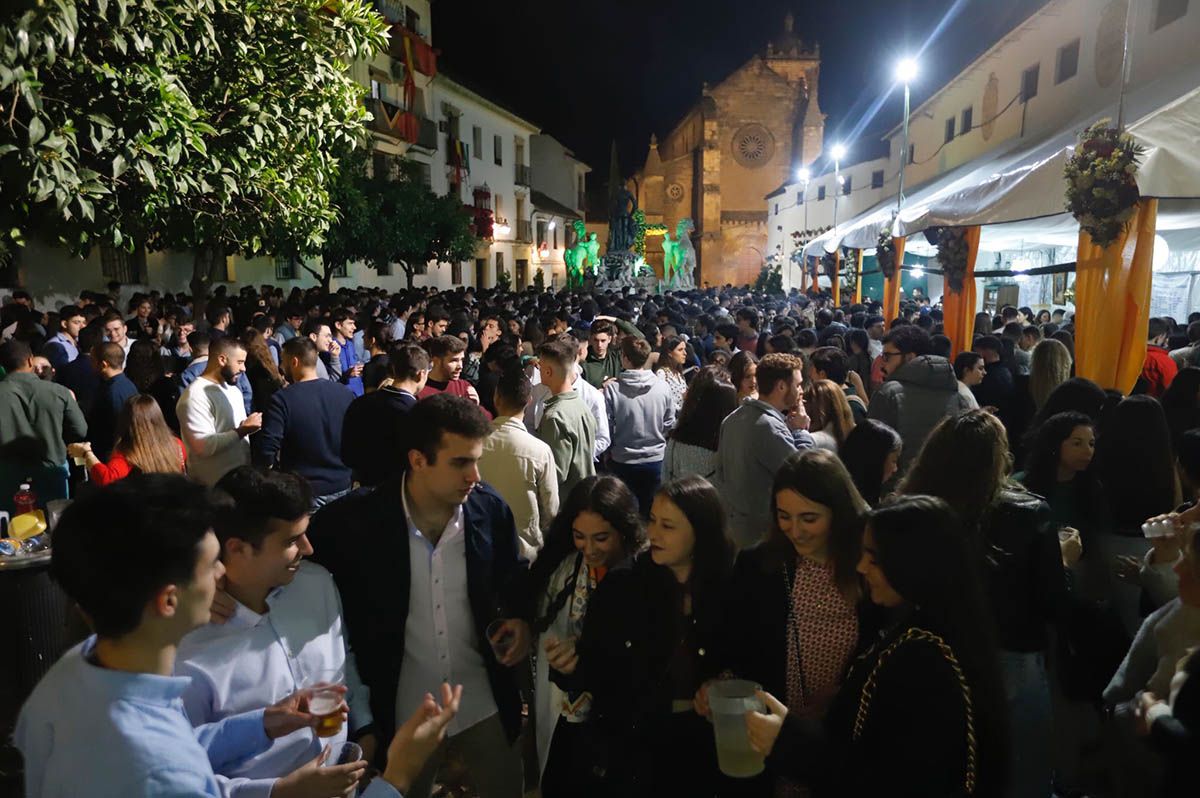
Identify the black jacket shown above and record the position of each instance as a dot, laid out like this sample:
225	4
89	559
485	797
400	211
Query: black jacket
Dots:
912	742
363	541
630	634
753	634
373	432
1178	736
1026	582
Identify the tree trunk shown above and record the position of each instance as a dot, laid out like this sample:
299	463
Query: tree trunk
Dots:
204	267
326	278
408	273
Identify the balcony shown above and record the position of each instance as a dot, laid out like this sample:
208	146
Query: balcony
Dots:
524	228
523	175
392	120
423	55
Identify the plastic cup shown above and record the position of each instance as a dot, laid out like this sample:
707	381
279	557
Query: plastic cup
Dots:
344	754
729	701
1163	528
326	701
500	640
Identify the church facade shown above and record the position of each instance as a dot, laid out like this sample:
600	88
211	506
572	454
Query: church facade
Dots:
744	138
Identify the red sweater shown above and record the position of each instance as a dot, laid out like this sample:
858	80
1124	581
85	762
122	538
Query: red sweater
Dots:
1158	370
118	467
459	387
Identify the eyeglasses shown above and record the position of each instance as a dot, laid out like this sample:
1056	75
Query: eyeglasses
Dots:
889	355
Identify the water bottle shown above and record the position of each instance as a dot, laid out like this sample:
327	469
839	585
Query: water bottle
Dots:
24	500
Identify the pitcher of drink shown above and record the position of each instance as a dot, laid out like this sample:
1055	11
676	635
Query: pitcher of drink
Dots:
729	701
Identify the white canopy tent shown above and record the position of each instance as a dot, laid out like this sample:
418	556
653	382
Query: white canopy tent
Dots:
1018	193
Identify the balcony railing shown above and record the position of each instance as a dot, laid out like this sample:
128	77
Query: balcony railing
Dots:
524	228
523	175
392	120
424	56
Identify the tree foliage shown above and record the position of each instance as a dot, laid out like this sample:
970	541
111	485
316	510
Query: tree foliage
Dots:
211	125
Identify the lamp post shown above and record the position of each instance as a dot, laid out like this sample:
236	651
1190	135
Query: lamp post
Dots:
803	175
838	152
906	71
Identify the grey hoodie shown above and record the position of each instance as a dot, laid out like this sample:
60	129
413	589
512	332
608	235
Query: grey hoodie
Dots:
915	399
640	413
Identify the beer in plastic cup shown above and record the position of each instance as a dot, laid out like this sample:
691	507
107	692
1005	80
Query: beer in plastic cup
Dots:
326	701
730	700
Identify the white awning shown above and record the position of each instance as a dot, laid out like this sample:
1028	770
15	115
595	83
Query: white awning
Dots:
1024	182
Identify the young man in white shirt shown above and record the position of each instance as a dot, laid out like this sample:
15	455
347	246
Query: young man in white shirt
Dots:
285	631
518	465
212	415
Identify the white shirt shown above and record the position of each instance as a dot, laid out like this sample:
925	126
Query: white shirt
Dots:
592	398
521	469
253	660
874	348
440	640
209	415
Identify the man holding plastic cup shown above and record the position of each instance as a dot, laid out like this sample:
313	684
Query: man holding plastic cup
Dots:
422	563
284	633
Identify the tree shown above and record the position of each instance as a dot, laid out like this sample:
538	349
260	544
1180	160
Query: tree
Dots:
210	125
414	226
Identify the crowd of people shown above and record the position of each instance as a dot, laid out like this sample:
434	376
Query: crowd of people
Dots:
531	534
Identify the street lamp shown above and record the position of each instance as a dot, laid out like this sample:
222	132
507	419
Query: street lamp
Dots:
803	175
838	152
906	72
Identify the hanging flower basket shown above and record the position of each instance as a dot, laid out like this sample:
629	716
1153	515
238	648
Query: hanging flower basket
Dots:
1102	192
952	256
885	253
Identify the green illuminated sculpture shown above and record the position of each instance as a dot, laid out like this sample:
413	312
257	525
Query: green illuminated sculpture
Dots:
581	258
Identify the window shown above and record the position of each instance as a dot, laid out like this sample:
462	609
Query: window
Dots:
477	140
541	233
376	92
1068	62
776	208
1167	11
968	121
877	179
116	263
554	232
820	192
949	137
341	270
498	150
456	273
499	264
285	267
846	184
497	205
912	153
1029	83
412	20
384	269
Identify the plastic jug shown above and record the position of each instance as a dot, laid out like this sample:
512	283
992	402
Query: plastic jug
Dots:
729	701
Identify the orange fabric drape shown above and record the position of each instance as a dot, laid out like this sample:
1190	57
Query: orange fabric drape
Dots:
836	287
858	279
1112	301
803	274
959	307
891	288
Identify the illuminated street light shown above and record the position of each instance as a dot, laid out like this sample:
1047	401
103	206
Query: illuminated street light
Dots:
906	70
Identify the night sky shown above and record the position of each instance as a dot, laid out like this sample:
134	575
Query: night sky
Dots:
591	71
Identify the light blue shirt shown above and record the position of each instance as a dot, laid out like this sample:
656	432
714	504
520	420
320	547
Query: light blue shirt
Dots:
256	660
60	350
91	731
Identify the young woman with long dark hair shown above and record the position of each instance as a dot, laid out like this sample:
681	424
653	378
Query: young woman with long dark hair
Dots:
597	529
742	370
871	455
1058	468
791	620
672	357
965	462
921	711
832	420
647	646
692	446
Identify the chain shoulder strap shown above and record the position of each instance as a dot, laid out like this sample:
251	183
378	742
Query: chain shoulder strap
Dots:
947	653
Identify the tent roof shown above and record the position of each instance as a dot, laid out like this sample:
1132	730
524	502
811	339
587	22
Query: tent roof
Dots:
1025	181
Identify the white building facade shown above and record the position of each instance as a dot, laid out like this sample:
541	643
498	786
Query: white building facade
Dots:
558	201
